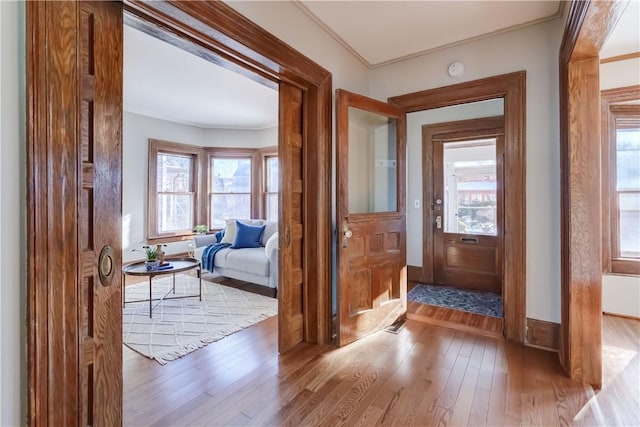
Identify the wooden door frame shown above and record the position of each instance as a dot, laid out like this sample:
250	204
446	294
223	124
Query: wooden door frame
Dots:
512	88
485	127
588	26
239	44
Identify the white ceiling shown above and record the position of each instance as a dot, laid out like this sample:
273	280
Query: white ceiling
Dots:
381	32
166	82
626	35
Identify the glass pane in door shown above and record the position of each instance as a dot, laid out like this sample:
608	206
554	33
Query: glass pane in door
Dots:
372	173
470	184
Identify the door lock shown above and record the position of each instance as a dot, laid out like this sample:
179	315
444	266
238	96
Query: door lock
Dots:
439	221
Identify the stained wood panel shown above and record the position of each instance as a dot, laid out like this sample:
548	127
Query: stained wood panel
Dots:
588	25
101	154
290	294
75	111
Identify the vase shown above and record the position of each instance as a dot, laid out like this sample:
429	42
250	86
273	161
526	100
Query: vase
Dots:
152	265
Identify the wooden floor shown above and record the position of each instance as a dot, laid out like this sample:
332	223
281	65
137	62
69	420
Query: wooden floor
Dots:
461	320
423	375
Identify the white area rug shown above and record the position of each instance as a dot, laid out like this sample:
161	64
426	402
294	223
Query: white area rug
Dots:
181	326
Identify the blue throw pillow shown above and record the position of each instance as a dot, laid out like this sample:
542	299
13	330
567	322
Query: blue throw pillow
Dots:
247	236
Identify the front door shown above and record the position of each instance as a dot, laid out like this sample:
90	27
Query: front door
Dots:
371	212
468	206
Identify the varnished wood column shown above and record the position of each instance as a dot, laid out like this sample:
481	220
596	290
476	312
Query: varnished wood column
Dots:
588	25
584	232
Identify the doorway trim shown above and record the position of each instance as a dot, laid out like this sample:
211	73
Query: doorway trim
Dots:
512	88
588	25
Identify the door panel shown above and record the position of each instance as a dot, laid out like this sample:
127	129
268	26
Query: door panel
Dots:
371	215
290	304
100	160
468	212
75	131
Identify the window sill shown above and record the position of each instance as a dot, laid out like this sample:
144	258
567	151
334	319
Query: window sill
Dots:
170	239
626	267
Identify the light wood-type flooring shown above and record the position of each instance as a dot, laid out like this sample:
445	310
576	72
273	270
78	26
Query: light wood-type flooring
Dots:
423	375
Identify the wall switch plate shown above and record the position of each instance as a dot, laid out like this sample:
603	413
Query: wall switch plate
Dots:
416	203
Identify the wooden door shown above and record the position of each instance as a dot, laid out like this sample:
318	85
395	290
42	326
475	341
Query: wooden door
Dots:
75	141
291	268
371	181
468	210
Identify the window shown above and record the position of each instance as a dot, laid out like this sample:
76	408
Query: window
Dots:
271	188
173	194
230	194
621	195
190	185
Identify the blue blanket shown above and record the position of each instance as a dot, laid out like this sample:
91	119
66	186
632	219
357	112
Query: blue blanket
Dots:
209	254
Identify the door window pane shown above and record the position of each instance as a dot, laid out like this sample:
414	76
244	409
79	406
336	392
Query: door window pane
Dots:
629	223
470	187
373	176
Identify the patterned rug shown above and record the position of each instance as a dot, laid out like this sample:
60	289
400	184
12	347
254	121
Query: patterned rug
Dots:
485	303
181	326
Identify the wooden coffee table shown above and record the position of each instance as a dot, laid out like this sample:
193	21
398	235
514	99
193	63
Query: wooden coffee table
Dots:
179	265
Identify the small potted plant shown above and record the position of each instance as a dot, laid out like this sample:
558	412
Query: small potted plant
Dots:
153	254
201	228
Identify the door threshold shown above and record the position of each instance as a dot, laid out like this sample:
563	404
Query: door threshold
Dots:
455	319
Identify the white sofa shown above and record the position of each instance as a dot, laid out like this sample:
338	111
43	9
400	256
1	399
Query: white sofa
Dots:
254	265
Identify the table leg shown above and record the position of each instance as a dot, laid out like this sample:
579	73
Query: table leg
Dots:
150	299
124	286
174	283
200	279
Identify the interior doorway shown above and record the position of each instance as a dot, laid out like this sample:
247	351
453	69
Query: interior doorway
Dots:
75	336
509	92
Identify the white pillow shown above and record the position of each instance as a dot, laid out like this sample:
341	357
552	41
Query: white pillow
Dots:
231	230
272	244
270	228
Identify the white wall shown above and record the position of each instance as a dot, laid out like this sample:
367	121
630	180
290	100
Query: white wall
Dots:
137	130
620	294
534	49
12	215
415	121
620	74
287	22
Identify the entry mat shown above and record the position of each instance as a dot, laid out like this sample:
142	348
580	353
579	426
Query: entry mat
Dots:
485	303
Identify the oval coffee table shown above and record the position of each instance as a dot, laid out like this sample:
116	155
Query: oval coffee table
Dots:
178	265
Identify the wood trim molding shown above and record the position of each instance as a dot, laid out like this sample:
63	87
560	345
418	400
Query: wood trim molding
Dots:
543	334
617	58
511	87
588	25
414	274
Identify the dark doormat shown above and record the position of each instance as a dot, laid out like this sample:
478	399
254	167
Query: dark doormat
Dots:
484	303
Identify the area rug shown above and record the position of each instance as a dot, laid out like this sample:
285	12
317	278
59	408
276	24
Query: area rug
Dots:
180	326
484	303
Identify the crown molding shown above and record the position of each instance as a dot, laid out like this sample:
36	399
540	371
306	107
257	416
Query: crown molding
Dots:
300	5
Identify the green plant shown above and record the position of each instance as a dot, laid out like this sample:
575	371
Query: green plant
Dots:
151	252
201	228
